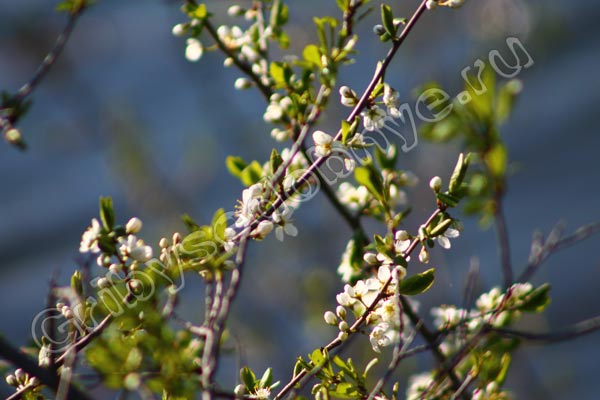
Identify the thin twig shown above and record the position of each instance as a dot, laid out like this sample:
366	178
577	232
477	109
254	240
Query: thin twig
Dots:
577	330
553	246
503	243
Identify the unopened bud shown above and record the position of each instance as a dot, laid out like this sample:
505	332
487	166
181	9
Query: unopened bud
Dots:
435	184
134	225
341	312
370	258
330	318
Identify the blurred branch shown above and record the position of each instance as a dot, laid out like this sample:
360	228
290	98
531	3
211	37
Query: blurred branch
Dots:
503	243
13	107
555	242
577	330
46	376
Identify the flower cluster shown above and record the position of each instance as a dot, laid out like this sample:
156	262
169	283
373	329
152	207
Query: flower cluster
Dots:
374	116
21	379
376	295
119	243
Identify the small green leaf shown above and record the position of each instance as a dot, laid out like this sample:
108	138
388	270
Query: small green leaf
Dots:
459	173
277	72
496	159
506	99
342	4
440	228
537	300
418	283
312	54
219	223
266	379
189	223
387	19
251	174
107	213
248	378
505	364
346	390
448	199
275	161
317	357
369	178
235	165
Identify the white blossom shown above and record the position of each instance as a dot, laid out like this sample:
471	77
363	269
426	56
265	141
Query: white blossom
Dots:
402	241
354	197
383	335
193	49
284	224
89	239
444	239
250	205
373	118
136	249
323	143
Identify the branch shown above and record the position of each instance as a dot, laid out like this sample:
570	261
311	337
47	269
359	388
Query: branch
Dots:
296	380
503	243
573	332
46	376
554	244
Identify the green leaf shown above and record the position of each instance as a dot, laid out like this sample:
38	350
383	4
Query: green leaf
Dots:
266	379
504	364
248	378
387	19
107	213
441	227
235	165
219	223
198	11
537	300
342	4
275	161
448	199
251	174
459	173
277	72
189	223
346	390
312	54
371	179
418	283
496	159
506	99
317	357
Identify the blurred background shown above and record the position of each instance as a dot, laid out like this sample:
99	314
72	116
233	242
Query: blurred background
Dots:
123	114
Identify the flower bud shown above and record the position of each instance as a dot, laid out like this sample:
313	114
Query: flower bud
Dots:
330	318
242	83
11	380
378	30
342	336
343	326
239	390
435	184
176	238
235	11
20	375
134	225
178	30
228	62
103	283
424	255
341	312
431	4
370	258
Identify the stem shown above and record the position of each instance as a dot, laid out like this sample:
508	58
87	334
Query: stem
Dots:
503	244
